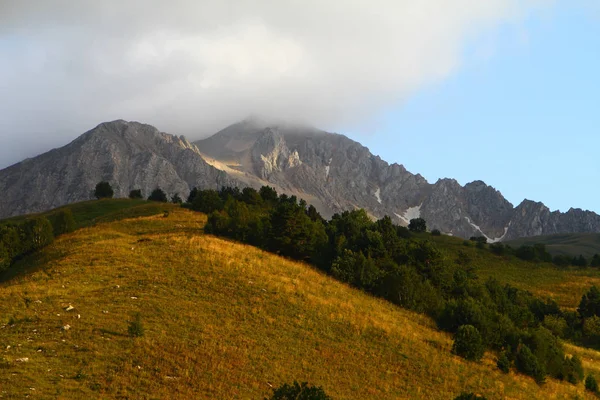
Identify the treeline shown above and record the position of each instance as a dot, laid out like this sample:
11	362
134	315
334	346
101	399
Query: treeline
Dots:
536	253
24	237
406	269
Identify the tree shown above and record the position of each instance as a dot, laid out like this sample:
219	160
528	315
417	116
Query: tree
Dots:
503	362
591	384
299	391
436	232
590	303
417	225
136	327
468	343
176	199
103	190
63	222
595	262
207	201
158	195
528	364
136	194
192	195
268	193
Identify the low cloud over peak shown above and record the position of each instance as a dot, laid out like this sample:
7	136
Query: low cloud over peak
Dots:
191	66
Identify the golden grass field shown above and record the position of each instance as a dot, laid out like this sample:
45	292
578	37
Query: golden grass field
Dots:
222	321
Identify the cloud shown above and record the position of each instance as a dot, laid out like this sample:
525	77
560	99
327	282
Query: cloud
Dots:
192	66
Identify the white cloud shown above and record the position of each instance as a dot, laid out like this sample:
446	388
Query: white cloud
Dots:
191	66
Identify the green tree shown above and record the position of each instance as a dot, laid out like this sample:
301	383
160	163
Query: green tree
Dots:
207	201
38	233
591	384
299	391
63	222
503	362
103	190
5	259
192	195
176	199
268	194
528	364
595	262
158	195
417	225
590	303
468	343
136	194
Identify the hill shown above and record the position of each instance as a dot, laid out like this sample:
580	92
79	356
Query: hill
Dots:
222	320
574	244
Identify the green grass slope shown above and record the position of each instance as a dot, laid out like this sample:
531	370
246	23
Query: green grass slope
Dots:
572	244
222	321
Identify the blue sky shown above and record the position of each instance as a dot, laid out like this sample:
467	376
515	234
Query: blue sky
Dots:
523	116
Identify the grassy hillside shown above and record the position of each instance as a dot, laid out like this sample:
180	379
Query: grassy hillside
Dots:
572	244
565	285
87	213
222	320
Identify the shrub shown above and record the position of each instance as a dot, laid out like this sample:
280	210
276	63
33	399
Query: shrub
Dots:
469	396
63	222
299	391
136	194
158	195
136	327
556	324
591	384
436	232
503	363
468	343
103	190
528	364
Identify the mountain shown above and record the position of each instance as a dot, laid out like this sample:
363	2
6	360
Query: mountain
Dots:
328	170
129	155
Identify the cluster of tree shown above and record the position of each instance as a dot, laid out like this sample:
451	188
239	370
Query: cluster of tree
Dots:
20	238
537	253
406	269
105	191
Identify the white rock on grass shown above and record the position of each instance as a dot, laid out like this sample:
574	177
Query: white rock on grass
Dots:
66	327
24	359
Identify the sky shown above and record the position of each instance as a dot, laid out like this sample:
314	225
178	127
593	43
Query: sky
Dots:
503	91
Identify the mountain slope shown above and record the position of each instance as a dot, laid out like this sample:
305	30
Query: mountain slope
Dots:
339	174
222	321
328	170
130	155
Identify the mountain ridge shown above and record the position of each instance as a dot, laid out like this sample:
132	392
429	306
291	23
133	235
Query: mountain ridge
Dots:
329	170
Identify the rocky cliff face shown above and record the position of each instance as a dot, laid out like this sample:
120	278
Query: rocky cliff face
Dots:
130	155
336	174
328	170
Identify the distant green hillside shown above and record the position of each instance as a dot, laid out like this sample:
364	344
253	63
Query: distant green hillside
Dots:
572	244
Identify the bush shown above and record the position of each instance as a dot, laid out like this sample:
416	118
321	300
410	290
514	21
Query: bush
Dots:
436	232
469	396
136	194
468	343
503	363
299	391
158	195
63	222
103	190
528	364
591	384
136	327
